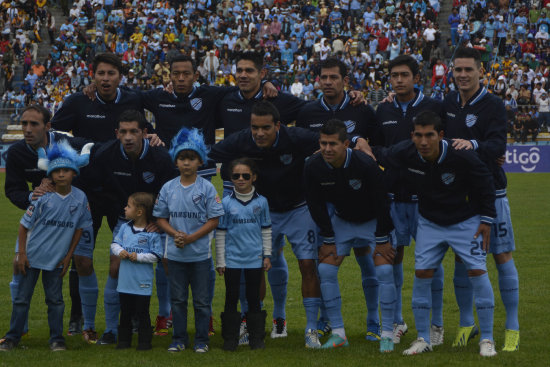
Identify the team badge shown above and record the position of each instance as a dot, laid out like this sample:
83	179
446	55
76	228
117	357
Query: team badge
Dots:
286	159
355	184
73	209
234	211
148	177
197	199
257	209
471	120
196	103
218	199
448	178
142	240
30	210
350	125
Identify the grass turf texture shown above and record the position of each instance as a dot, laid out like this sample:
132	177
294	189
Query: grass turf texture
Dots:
530	201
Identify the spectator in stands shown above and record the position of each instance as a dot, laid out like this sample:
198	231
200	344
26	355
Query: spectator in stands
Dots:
530	127
543	104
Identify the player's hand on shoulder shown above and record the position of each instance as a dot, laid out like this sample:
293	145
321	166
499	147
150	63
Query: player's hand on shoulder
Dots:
357	98
363	145
460	144
155	141
269	90
152	227
45	186
169	88
389	98
89	91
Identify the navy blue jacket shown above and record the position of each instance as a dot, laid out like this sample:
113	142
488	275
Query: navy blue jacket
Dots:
281	167
454	188
21	168
392	126
356	190
482	120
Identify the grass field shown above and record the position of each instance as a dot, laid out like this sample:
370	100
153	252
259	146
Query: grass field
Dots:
529	196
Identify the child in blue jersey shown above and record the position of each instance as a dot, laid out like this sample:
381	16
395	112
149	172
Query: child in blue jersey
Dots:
139	250
48	234
188	210
243	242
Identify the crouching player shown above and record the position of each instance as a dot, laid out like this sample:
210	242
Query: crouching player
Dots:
456	204
349	179
48	234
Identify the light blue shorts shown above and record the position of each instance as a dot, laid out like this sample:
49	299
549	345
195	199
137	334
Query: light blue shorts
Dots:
85	246
502	233
405	219
348	235
433	240
299	229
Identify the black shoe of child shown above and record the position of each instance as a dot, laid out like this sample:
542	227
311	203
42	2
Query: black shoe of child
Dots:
124	337
256	329
145	336
231	323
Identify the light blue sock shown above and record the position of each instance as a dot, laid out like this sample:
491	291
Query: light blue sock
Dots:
421	306
322	310
163	291
370	289
311	304
111	302
437	296
508	283
211	283
278	279
328	275
485	304
14	286
464	295
87	287
398	280
384	273
242	295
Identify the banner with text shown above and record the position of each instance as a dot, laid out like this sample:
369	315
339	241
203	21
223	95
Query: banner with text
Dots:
527	158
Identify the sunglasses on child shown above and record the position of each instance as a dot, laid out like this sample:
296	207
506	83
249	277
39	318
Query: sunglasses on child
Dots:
245	176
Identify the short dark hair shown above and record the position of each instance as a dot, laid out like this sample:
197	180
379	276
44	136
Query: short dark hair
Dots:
333	62
46	115
188	154
183	58
406	60
256	57
468	53
335	126
265	108
429	118
145	201
107	58
245	162
133	115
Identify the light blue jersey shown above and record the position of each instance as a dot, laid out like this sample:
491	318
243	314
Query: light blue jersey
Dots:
137	277
243	223
188	209
51	221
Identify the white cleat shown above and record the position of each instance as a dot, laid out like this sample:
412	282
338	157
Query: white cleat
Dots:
398	331
436	335
418	346
487	348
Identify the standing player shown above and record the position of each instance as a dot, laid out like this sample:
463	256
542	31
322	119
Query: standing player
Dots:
348	179
394	124
359	121
476	120
21	169
120	168
280	153
456	206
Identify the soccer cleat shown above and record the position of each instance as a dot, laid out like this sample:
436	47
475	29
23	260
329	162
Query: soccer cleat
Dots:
465	334
418	346
75	327
386	345
323	328
373	333
487	348
398	331
511	340
176	347
161	326
436	335
312	339
335	341
89	336
211	330
279	328
58	346
107	339
169	321
201	348
6	345
243	333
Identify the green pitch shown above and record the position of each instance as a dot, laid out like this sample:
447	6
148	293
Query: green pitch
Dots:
529	196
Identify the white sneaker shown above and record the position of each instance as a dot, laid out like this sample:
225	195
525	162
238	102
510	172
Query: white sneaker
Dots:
279	329
418	346
487	348
312	339
398	331
436	335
